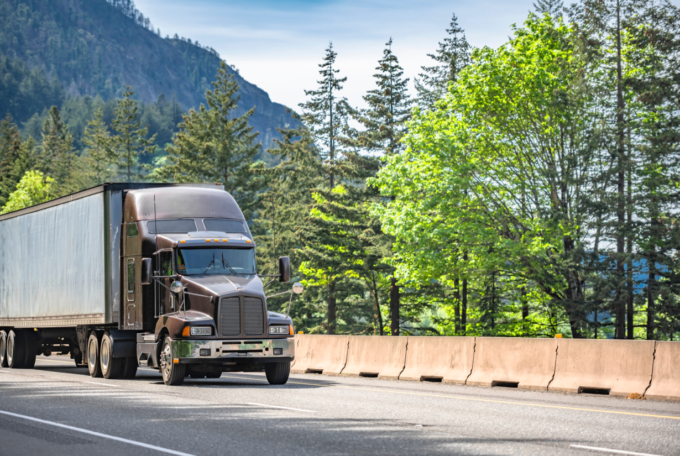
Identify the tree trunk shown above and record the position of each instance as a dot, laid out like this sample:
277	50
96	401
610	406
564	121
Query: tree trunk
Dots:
651	290
331	308
378	313
620	304
456	297
394	306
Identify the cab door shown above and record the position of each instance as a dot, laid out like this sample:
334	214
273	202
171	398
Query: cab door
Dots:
132	283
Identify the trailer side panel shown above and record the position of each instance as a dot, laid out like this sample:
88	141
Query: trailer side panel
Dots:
53	268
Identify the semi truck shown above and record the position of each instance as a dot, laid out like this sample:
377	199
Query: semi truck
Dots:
161	276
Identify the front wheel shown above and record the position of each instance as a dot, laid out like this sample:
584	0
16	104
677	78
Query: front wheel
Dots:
277	373
173	373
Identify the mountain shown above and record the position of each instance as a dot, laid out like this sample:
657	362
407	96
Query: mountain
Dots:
96	47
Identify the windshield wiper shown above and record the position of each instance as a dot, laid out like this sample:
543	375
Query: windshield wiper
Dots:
211	263
225	263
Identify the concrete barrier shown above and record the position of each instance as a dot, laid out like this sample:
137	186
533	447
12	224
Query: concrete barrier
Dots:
620	366
448	359
319	354
376	356
666	375
513	362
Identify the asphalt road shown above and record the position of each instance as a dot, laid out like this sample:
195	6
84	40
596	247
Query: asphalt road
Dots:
58	409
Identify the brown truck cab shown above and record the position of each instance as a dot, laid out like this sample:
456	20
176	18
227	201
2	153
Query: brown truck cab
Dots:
190	289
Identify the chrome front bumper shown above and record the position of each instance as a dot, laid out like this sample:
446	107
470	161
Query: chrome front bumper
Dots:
230	350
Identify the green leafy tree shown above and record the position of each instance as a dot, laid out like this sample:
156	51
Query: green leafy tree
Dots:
214	145
499	178
129	142
450	58
555	8
33	188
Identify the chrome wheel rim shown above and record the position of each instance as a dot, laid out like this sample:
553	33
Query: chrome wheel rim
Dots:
105	355
10	349
166	361
92	354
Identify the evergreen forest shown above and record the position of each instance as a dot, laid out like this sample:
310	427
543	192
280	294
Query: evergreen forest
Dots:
529	190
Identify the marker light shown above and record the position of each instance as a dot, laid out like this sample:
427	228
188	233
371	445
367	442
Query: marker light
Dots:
207	240
185	331
182	242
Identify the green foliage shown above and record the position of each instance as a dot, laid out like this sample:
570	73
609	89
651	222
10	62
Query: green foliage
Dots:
451	57
214	146
14	158
33	188
130	140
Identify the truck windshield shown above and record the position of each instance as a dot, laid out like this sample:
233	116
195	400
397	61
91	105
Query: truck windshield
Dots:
214	261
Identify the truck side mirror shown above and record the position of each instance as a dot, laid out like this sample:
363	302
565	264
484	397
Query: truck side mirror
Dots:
146	271
284	269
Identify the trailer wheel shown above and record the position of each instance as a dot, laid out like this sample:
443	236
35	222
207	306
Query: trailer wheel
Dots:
130	368
3	349
277	373
93	364
31	341
16	349
173	374
112	368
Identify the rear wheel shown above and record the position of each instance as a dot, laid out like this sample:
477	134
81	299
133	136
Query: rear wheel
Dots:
3	349
173	373
112	368
277	373
93	364
130	368
16	349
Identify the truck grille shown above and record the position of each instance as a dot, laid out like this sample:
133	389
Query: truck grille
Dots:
230	312
230	317
253	316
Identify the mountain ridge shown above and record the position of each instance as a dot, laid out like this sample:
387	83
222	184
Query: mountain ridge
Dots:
94	48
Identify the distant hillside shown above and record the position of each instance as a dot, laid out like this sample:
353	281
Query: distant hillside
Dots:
95	48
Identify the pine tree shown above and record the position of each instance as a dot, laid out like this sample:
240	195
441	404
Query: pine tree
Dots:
215	146
325	114
98	145
57	158
384	123
452	56
130	140
282	217
554	8
14	157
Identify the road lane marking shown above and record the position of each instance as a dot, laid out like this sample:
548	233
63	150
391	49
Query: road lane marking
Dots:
607	450
278	407
97	434
103	384
474	399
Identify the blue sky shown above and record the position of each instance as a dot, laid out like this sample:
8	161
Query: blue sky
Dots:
277	45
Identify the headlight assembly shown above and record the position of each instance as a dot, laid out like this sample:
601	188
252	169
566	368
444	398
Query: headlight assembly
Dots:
201	331
279	330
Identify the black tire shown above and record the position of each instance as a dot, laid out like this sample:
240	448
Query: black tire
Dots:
93	364
112	368
3	349
277	373
16	349
130	368
173	373
213	375
31	339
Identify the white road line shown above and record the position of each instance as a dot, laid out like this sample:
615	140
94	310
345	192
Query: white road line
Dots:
97	434
277	407
608	450
103	384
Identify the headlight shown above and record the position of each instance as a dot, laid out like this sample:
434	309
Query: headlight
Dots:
279	330
201	331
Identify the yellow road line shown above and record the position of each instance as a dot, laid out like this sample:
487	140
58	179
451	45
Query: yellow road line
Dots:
447	396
